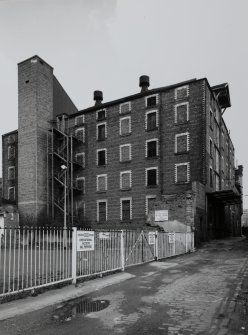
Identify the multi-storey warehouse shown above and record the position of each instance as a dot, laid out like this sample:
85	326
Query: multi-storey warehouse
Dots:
161	156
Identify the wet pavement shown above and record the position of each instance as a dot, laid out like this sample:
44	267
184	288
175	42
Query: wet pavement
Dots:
201	293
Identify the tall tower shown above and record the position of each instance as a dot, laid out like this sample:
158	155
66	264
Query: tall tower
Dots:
35	110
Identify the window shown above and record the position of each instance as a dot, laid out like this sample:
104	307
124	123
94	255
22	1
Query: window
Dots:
125	107
11	139
152	148
11	193
125	180
102	211
150	200
101	183
181	92
80	184
182	113
80	134
182	174
101	157
211	119
11	172
211	147
182	143
151	122
211	176
152	176
101	132
126	209
125	125
217	161
80	208
11	152
152	100
80	159
125	153
217	182
101	115
79	120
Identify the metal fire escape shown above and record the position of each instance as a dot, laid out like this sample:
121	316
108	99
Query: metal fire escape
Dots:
64	164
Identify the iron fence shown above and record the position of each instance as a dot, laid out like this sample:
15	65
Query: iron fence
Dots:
38	257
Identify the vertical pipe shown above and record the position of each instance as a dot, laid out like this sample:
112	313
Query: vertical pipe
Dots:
14	261
122	251
74	255
72	209
35	260
52	170
10	231
27	267
31	258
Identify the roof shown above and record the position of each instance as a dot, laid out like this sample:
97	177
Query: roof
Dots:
35	56
135	96
10	133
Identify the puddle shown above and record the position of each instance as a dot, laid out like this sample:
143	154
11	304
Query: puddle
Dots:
71	309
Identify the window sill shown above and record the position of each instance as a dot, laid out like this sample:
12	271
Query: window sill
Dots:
122	162
152	157
104	191
181	123
153	129
124	113
126	189
152	106
182	182
102	165
101	139
182	153
125	135
151	186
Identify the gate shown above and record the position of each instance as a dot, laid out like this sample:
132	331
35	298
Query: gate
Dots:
140	247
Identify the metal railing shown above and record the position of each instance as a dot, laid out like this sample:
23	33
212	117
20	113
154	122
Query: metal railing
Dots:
38	257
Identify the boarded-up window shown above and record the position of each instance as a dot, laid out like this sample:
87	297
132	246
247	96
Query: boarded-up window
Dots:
181	113
125	107
102	183
80	159
182	92
125	153
125	126
125	180
80	184
11	173
182	143
11	152
182	173
80	134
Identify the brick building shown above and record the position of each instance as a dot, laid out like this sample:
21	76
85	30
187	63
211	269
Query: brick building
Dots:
122	162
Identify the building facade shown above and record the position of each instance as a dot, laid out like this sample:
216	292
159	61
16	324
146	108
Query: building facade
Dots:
120	163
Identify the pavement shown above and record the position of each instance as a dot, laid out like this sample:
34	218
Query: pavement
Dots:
201	293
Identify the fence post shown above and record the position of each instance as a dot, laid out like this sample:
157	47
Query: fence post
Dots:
122	251
156	245
186	242
74	255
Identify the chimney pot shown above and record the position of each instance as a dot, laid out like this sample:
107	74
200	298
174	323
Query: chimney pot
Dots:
98	97
144	83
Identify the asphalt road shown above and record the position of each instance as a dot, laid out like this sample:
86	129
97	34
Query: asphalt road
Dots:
201	293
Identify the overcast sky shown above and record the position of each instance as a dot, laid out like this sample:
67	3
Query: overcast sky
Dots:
108	44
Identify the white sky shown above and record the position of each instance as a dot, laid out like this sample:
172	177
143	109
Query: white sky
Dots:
108	44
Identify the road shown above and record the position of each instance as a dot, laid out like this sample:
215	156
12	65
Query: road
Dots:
202	293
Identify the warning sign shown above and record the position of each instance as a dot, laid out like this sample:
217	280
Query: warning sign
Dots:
104	236
161	215
172	237
85	240
151	237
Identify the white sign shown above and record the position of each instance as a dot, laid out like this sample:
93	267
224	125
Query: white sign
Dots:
104	236
161	215
172	237
85	240
151	237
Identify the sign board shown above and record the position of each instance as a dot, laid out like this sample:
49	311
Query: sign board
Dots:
151	237
161	215
104	236
85	240
172	237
